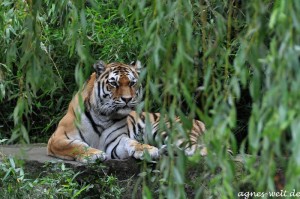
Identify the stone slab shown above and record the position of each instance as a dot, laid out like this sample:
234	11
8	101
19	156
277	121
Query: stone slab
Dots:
32	152
36	154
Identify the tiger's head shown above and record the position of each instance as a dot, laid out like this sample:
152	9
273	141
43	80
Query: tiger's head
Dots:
116	88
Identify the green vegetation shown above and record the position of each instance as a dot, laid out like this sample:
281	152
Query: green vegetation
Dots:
56	181
232	64
46	49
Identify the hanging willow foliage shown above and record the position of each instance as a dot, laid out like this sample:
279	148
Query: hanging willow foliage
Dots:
232	64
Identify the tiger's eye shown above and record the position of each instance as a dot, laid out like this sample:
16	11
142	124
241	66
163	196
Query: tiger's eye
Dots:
132	83
113	83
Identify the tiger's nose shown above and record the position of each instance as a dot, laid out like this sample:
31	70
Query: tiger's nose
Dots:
126	99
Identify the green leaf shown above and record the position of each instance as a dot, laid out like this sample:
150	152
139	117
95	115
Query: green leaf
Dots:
12	163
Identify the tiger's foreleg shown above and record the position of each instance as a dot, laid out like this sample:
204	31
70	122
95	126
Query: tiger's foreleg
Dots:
69	147
193	145
190	144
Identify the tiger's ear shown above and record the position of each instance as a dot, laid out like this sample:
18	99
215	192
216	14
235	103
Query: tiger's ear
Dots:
99	67
137	65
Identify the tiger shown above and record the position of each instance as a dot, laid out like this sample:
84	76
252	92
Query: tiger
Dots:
107	126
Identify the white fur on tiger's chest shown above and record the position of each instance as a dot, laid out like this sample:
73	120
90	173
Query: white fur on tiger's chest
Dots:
111	139
106	136
88	133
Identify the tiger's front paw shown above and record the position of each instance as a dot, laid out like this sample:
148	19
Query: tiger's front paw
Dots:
91	156
153	152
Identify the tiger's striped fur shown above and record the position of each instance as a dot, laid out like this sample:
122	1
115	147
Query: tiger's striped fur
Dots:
108	128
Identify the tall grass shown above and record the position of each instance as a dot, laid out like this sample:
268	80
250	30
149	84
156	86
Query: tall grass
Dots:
44	44
232	64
